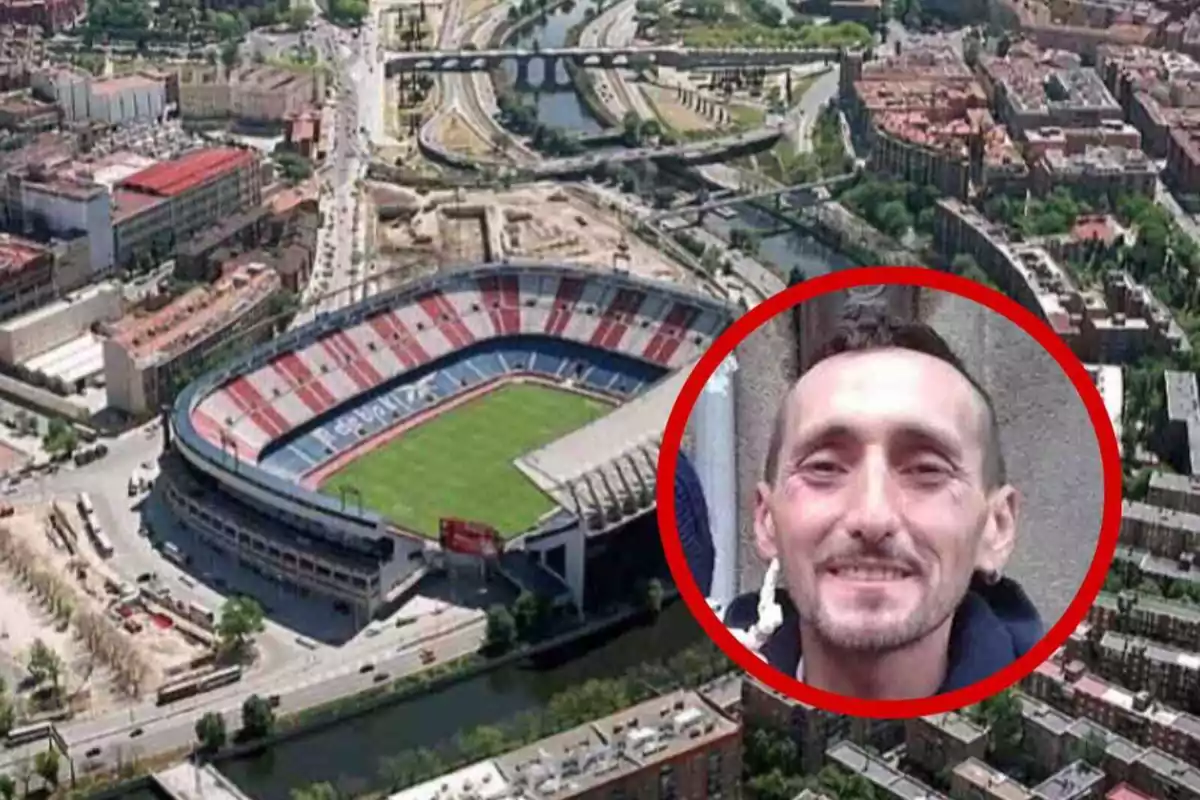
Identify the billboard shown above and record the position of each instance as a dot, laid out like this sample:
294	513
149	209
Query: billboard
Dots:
469	538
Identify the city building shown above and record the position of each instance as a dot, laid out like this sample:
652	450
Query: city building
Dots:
40	200
302	133
973	779
1175	491
1079	27
814	729
26	275
1143	614
1161	531
51	16
1043	732
675	746
25	114
258	93
1116	323
144	353
81	96
1134	715
1109	133
64	320
940	741
1034	88
1076	781
1109	380
925	119
889	782
1180	441
1170	674
1095	172
164	205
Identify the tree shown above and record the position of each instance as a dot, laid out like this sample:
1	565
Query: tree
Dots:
1002	713
258	718
299	16
210	732
8	787
315	791
240	619
501	629
45	764
654	596
44	664
526	614
60	438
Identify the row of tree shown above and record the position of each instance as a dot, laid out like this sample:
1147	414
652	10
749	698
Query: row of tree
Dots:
258	721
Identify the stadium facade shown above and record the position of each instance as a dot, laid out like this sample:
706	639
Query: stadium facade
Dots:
251	440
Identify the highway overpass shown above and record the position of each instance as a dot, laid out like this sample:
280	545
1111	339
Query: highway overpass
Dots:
467	60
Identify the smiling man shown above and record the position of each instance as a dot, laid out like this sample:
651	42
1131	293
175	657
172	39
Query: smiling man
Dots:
886	506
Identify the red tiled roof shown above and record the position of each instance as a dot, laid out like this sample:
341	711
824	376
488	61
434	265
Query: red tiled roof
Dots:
175	177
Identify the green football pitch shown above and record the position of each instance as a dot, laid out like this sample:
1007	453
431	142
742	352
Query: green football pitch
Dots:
459	464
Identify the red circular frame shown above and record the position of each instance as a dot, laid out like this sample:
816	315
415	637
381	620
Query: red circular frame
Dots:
848	279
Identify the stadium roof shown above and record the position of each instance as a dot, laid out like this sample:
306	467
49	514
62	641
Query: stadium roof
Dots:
188	171
602	464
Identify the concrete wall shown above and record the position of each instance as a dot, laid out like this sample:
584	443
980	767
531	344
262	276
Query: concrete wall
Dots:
1050	445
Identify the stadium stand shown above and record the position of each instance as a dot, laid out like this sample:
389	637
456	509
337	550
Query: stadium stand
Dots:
247	433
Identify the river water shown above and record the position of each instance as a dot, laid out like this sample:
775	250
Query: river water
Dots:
351	755
563	108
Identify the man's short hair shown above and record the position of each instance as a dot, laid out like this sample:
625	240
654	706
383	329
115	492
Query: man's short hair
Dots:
864	328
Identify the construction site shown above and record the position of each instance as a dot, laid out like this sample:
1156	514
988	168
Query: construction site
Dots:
540	222
111	642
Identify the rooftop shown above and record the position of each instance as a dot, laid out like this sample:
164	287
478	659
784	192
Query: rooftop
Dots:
957	726
16	254
590	755
993	782
1152	604
123	84
656	731
193	316
1120	643
855	760
1073	780
170	178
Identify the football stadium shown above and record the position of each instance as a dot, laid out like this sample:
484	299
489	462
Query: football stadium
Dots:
503	413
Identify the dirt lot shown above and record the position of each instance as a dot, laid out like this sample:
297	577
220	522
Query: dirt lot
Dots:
540	221
41	573
454	134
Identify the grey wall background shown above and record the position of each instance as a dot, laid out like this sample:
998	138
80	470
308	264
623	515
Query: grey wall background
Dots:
1049	443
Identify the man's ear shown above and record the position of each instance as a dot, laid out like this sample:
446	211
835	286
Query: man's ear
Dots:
1000	532
764	524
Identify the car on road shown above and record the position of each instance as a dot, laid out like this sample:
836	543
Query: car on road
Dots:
365	668
95	751
380	677
136	732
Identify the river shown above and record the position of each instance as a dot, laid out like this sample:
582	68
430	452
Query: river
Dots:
351	754
563	108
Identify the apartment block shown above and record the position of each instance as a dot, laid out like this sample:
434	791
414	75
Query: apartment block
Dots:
674	747
889	782
1161	531
143	353
1140	614
974	779
813	729
943	740
1076	781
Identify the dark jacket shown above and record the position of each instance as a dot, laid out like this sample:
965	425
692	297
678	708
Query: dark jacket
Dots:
993	627
691	517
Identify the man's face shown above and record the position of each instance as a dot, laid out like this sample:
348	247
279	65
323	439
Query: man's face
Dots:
879	512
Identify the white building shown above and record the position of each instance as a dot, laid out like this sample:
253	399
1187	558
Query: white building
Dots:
112	100
67	206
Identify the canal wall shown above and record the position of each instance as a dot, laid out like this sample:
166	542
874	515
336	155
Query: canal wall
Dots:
371	700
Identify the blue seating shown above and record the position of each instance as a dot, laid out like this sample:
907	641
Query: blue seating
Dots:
376	411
